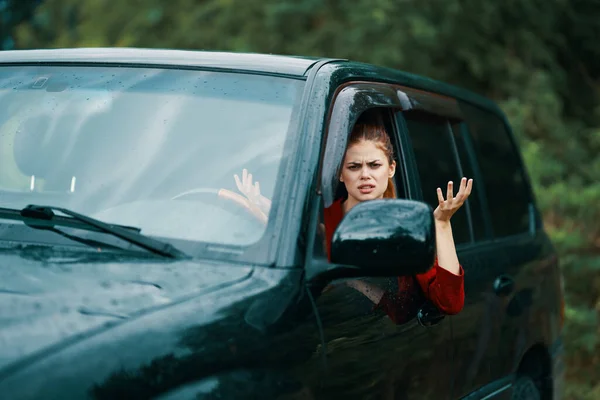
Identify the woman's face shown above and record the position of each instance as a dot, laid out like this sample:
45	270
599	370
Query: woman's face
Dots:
365	172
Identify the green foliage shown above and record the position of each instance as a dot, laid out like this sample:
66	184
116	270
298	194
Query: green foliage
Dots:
539	60
12	13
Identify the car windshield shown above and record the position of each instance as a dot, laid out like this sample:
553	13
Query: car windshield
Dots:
143	147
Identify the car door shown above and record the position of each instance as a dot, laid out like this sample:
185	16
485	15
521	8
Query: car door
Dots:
441	154
436	161
368	355
491	334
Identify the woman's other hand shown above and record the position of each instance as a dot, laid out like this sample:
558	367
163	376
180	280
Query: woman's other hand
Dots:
244	202
252	191
446	208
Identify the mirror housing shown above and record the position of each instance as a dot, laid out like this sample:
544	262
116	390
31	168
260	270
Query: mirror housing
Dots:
387	237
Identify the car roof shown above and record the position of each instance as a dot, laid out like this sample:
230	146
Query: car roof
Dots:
267	63
287	65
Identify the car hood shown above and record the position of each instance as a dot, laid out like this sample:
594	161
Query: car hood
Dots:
47	302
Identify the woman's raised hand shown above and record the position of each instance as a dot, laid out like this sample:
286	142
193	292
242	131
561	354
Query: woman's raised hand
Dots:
252	191
250	198
446	208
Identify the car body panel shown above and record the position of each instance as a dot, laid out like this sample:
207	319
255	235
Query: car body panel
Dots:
493	333
210	328
44	304
283	65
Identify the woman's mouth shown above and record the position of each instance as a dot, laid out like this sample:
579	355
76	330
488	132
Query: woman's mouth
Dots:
366	189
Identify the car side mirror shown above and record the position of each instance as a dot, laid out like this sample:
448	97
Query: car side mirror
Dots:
387	237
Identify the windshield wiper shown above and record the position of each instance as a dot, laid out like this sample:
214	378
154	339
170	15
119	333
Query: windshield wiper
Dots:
43	217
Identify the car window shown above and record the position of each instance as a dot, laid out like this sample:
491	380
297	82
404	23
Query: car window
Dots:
437	163
474	205
145	147
506	191
384	118
357	294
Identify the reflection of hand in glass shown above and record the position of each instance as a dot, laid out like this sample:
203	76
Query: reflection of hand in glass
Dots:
252	191
252	199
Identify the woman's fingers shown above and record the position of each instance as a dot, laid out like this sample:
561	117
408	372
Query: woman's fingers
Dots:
238	183
469	187
448	207
247	187
257	189
463	185
465	189
461	190
244	184
440	196
450	192
247	178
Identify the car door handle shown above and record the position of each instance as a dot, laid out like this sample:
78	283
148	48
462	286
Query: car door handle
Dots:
504	285
429	315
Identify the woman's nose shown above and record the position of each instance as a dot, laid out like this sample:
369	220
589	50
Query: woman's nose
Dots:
364	173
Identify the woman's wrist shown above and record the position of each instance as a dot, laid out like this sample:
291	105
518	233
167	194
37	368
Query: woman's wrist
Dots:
442	224
446	251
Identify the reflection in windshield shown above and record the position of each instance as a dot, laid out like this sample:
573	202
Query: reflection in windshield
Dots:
122	145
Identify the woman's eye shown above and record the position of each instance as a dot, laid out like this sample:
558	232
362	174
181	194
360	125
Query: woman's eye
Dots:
353	167
375	165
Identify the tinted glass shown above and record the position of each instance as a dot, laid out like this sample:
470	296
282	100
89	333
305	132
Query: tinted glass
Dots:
121	144
505	189
437	163
467	162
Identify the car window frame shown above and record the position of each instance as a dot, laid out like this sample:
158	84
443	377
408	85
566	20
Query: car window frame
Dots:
535	224
402	98
479	188
378	95
449	108
448	121
398	98
350	100
452	107
336	131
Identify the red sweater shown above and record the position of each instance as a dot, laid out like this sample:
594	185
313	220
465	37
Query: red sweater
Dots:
440	286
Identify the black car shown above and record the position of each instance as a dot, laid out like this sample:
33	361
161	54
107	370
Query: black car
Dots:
126	274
